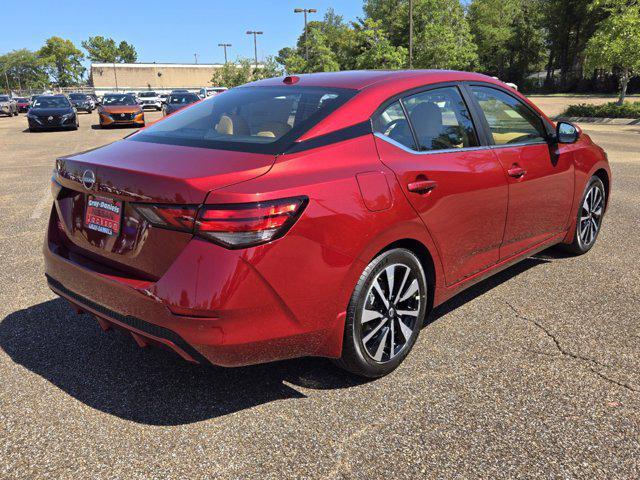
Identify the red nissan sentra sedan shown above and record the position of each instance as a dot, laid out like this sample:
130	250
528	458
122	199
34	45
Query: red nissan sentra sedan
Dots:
324	214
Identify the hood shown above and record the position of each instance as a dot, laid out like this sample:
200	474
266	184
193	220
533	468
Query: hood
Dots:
121	108
148	172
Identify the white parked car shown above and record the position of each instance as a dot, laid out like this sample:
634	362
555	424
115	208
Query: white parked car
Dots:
508	84
211	91
150	100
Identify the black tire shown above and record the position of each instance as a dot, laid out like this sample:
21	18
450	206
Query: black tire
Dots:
584	240
358	356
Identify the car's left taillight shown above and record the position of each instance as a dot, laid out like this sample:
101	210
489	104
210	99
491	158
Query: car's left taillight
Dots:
235	225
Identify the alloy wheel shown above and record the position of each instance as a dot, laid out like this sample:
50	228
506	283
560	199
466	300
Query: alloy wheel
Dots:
390	312
590	216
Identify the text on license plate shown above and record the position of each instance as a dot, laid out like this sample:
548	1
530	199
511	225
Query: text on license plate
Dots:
103	215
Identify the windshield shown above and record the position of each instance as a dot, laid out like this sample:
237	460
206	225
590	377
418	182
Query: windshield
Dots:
118	100
4	98
22	100
148	94
78	96
248	118
50	102
183	98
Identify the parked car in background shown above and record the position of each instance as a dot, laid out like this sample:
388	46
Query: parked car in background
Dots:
120	109
8	106
94	97
52	112
179	90
163	97
211	91
23	104
509	84
322	214
150	100
177	101
82	102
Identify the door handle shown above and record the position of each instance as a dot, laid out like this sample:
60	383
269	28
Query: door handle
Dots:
516	171
422	186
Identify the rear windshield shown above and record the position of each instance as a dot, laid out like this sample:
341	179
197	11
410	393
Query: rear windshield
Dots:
255	119
22	100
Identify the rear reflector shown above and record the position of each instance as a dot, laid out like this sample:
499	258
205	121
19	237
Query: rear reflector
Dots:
237	225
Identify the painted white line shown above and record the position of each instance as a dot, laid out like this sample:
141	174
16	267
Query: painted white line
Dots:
45	200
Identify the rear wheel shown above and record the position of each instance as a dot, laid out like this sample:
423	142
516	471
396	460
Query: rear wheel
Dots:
385	314
589	220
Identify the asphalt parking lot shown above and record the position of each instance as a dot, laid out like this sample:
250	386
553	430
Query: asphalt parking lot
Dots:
534	373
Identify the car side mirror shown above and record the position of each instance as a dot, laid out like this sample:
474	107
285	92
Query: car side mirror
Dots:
567	132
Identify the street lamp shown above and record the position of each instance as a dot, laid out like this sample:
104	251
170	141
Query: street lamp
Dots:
305	11
255	43
225	45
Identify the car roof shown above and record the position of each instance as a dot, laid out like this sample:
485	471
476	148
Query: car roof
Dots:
375	87
361	79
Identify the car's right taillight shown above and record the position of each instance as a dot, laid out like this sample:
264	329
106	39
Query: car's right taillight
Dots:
242	225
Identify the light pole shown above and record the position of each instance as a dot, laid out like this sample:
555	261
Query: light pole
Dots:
410	33
225	45
255	43
305	11
195	55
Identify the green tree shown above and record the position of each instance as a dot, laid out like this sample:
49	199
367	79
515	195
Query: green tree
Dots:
63	61
373	50
104	50
127	53
24	69
508	36
442	38
615	46
233	74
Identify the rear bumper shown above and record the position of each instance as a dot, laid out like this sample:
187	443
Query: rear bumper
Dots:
211	306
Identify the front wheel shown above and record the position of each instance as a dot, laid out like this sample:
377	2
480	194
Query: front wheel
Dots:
589	220
385	314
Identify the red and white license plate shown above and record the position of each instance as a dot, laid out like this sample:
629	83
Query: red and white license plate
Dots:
103	215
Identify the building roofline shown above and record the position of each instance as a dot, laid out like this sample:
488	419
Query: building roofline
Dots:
160	65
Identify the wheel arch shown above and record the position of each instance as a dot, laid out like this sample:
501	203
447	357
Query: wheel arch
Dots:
604	176
426	260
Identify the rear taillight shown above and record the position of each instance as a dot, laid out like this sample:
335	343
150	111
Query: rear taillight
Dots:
243	225
237	225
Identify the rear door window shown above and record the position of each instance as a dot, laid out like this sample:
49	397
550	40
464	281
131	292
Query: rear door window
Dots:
440	119
510	121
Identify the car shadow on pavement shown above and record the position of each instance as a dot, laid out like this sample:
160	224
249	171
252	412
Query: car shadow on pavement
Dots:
109	372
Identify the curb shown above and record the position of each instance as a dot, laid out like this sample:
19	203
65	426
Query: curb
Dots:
608	121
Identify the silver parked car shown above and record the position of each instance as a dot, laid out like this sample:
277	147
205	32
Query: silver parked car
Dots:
8	106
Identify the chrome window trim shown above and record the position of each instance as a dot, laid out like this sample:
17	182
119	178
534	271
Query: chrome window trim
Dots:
428	152
390	140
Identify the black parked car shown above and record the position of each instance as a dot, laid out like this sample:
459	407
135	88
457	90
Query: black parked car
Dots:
82	101
178	101
52	111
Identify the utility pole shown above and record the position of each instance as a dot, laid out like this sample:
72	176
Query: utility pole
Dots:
225	45
6	79
195	55
410	33
306	44
255	43
115	75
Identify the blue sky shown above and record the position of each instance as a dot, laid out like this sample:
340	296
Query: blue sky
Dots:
163	32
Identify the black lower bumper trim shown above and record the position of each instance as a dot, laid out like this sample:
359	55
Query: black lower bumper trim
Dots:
134	322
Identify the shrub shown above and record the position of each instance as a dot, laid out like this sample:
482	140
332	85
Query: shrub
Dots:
607	110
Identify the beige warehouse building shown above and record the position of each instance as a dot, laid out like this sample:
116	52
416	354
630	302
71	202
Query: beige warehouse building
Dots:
109	77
